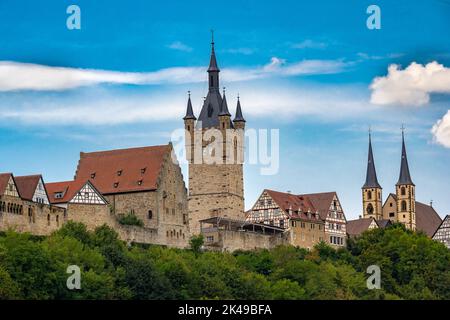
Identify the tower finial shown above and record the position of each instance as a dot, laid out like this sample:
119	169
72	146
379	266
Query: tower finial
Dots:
212	37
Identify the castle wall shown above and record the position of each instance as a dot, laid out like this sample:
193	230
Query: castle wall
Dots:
230	240
36	218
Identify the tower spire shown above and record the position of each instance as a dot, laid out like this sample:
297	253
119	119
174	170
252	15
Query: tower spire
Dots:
371	175
189	110
224	106
405	176
238	116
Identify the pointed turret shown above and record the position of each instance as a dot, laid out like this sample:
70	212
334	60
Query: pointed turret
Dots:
224	106
189	111
238	116
371	175
213	69
405	176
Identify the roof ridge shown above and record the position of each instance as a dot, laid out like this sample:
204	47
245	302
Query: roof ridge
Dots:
114	151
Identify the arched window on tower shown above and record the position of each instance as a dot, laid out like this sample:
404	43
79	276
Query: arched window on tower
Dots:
369	195
403	191
369	209
403	205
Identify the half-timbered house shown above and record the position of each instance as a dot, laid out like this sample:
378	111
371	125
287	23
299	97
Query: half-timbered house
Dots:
283	209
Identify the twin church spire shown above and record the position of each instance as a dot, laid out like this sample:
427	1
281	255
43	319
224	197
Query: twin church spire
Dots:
404	210
214	105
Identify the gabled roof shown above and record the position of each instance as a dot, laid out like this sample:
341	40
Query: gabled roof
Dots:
404	177
315	202
123	170
287	201
27	185
371	175
69	190
4	179
444	225
322	202
358	226
383	223
427	219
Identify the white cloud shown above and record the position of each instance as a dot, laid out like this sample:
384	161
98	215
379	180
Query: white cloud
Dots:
309	44
441	130
16	76
106	107
178	45
411	86
244	51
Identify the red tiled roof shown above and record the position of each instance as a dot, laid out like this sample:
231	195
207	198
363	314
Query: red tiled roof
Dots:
124	170
322	202
68	188
427	219
4	179
27	185
357	227
288	201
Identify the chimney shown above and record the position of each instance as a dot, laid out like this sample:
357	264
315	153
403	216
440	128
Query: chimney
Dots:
431	203
359	217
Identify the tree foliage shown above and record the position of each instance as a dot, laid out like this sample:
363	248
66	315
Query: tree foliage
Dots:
412	267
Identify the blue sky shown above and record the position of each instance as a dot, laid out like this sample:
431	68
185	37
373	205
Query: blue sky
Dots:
308	69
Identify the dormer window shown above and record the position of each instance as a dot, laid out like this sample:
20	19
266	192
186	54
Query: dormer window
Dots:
143	170
92	175
116	184
140	182
119	173
58	195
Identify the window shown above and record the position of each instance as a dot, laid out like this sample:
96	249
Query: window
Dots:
139	182
281	223
92	175
48	219
391	214
403	206
116	184
57	221
369	195
58	195
149	214
119	173
266	214
86	195
210	239
403	191
143	169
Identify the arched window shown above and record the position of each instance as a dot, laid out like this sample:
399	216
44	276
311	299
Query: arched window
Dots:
369	195
57	221
369	208
48	219
150	214
403	205
403	191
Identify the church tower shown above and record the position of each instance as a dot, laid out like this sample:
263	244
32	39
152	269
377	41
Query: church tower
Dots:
405	191
371	190
215	151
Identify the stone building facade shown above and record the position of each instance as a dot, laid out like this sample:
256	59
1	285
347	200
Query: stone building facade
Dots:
214	150
20	213
146	182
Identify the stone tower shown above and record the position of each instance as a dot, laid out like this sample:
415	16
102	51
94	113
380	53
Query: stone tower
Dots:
405	191
371	190
214	151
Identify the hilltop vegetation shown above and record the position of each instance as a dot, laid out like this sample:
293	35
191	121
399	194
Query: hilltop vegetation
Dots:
412	267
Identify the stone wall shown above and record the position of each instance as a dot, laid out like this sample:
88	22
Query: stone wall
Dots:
215	190
306	234
230	240
36	218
